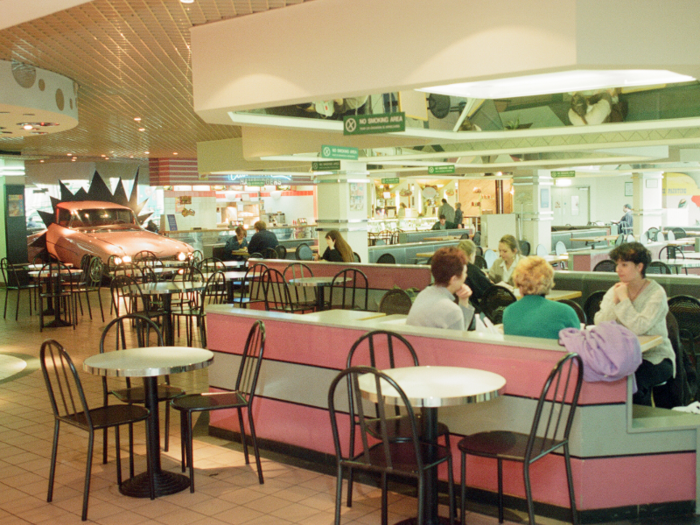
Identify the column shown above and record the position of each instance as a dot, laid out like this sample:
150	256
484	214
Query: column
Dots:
13	211
342	205
533	207
647	201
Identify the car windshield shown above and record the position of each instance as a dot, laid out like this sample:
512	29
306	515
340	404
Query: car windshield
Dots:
102	218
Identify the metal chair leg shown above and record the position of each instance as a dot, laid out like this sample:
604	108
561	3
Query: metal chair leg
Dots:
500	491
88	473
54	449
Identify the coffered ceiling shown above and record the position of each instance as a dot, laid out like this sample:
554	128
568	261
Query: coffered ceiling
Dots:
131	59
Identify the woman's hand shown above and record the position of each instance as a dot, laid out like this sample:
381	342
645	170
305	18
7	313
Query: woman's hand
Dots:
463	294
621	292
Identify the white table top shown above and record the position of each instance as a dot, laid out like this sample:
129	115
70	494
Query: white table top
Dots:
312	281
148	362
437	386
171	287
687	263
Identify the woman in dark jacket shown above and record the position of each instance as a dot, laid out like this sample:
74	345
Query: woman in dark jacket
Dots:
476	278
338	249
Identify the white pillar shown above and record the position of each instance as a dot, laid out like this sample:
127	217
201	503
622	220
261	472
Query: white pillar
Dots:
647	201
342	206
532	203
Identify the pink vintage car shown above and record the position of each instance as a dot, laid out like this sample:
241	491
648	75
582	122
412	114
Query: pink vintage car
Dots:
104	229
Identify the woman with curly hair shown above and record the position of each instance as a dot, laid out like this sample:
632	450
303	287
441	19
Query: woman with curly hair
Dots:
533	315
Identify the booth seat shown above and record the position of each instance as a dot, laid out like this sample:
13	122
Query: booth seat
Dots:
626	463
565	236
406	253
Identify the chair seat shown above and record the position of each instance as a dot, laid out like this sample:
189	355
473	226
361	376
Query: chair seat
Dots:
210	401
505	445
399	428
137	394
402	456
109	416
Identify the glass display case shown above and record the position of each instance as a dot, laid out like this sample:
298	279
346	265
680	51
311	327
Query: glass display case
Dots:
405	224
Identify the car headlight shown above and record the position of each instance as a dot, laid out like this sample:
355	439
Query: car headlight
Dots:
126	259
118	260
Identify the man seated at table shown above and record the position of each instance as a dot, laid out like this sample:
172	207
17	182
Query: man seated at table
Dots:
262	239
533	315
435	306
442	224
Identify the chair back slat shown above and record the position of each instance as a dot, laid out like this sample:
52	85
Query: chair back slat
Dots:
251	362
300	294
276	291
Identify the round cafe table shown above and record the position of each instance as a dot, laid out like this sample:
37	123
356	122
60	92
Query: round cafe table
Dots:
431	387
149	363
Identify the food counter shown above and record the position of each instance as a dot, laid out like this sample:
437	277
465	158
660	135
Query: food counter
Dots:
627	462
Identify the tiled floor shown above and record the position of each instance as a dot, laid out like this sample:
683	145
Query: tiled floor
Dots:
227	489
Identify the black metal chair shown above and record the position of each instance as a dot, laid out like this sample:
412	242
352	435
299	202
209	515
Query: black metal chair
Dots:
281	251
480	262
577	308
91	282
411	458
383	349
250	289
550	430
240	398
494	301
659	267
680	233
524	248
211	264
350	287
477	238
608	265
135	331
16	279
671	252
592	305
277	295
681	389
386	258
651	233
356	257
304	253
213	293
303	295
686	310
69	406
56	288
395	301
270	253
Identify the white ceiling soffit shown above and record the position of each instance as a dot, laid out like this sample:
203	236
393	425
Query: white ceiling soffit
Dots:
651	152
15	12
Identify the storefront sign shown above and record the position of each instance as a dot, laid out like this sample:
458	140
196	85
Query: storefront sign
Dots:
329	165
563	174
435	170
340	152
393	180
377	123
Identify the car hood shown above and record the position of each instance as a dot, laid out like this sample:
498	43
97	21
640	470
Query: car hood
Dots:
133	242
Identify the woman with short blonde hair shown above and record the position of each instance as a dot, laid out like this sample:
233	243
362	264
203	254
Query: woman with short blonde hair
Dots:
534	315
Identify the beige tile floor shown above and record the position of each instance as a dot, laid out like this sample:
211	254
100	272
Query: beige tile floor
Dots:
227	488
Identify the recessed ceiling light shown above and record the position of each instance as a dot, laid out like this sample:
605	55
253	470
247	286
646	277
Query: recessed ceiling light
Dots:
146	152
187	1
174	152
142	129
562	82
103	156
137	119
41	161
28	127
69	154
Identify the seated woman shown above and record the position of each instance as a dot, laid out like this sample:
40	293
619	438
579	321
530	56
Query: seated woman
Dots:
476	278
338	249
235	243
533	315
641	305
502	268
435	306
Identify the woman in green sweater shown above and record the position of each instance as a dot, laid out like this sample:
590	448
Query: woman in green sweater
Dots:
533	315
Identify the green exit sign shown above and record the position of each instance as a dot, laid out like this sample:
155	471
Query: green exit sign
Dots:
563	174
392	180
436	170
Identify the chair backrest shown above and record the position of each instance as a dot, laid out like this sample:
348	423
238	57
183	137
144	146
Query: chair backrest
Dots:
54	276
494	301
276	291
644	238
524	248
196	257
679	233
130	331
252	287
351	290
12	276
251	361
552	421
577	308
620	239
660	237
490	256
382	349
541	250
682	388
659	267
356	257
651	233
395	301
480	262
671	252
95	272
477	238
630	238
560	248
300	294
464	236
63	385
120	289
281	251
686	310
352	415
479	251
386	258
608	265
145	256
215	291
304	253
269	253
592	304
670	235
614	229
211	264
